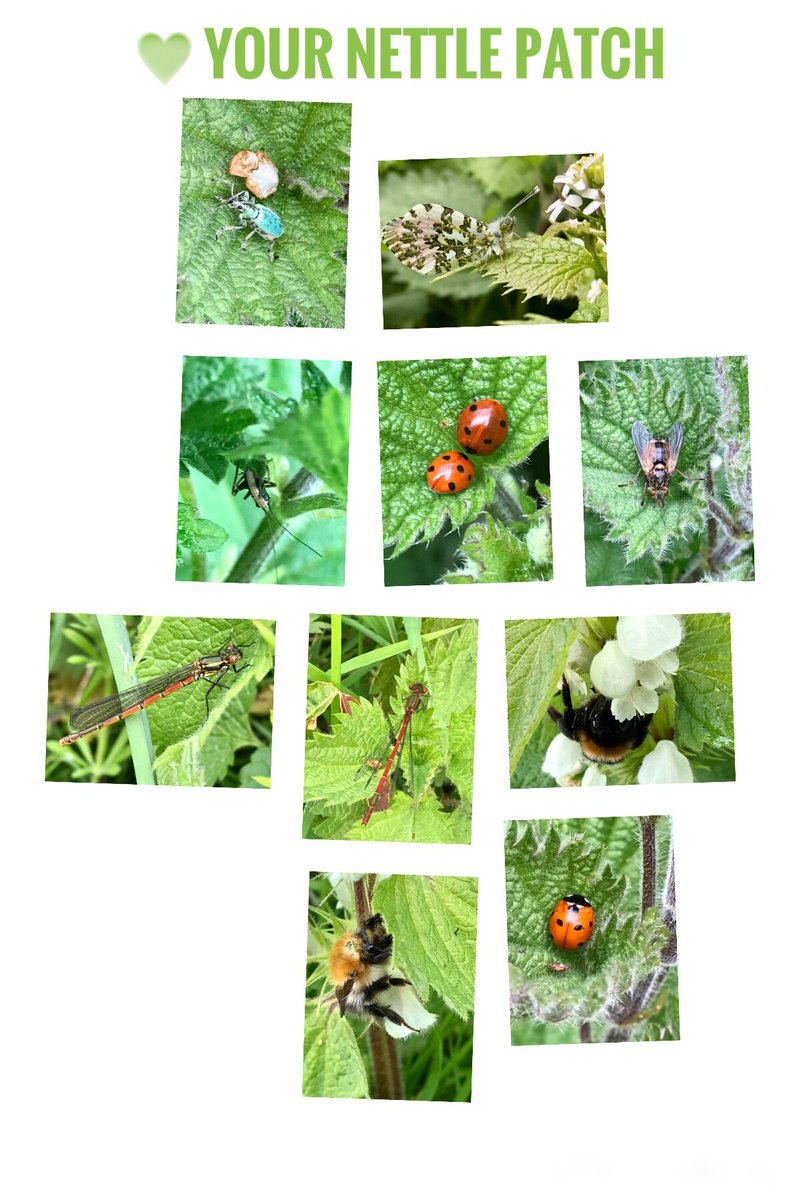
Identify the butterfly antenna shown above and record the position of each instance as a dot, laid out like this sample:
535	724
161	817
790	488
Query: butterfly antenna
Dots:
524	200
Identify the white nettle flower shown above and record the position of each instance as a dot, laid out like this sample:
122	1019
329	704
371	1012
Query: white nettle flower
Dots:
640	660
407	1005
594	777
613	673
563	757
665	764
645	638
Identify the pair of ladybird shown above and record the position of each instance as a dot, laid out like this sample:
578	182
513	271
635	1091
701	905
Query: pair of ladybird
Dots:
482	428
572	922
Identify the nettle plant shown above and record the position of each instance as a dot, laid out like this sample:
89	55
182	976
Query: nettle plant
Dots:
622	984
355	712
298	280
498	530
433	920
658	691
704	529
550	277
288	420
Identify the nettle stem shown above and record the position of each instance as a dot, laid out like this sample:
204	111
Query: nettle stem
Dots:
649	862
627	1013
388	1083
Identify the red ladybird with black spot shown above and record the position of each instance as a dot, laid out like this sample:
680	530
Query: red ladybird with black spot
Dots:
572	922
483	426
450	472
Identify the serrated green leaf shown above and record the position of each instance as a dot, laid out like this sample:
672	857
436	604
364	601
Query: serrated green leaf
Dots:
195	535
434	922
536	653
332	1062
420	403
703	684
219	280
318	434
554	268
605	562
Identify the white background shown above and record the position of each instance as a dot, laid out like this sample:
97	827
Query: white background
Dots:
153	941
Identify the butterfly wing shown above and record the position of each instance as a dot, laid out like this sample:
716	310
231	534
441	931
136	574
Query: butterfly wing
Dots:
433	239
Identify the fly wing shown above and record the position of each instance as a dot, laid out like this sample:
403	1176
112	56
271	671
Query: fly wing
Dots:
642	440
674	444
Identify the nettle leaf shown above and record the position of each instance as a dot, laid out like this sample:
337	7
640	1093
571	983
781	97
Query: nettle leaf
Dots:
434	922
703	684
188	748
210	435
541	868
220	281
196	535
605	562
333	1065
318	435
497	555
420	403
614	396
536	653
554	268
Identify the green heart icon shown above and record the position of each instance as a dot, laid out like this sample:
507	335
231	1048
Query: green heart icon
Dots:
164	58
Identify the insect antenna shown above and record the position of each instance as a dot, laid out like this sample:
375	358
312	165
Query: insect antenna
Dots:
523	200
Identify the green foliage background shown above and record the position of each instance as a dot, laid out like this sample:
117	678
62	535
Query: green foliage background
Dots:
539	280
380	658
699	719
220	282
231	749
704	532
295	413
503	519
600	858
434	922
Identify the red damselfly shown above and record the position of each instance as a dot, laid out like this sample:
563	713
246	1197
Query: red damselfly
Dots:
380	799
255	487
116	707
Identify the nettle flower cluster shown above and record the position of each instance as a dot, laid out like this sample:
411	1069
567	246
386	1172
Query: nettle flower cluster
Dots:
580	189
633	670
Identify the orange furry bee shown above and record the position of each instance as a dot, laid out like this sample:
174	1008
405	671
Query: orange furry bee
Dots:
658	458
360	972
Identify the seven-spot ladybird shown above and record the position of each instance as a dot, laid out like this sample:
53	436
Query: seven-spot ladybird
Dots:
450	472
572	922
483	426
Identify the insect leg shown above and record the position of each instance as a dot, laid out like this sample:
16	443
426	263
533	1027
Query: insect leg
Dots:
629	481
228	228
643	498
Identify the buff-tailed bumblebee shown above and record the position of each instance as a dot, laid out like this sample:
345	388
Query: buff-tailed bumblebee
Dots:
601	737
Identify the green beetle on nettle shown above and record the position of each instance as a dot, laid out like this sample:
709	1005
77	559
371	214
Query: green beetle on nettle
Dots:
266	223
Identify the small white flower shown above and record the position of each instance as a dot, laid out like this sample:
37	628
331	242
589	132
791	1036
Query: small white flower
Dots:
638	700
666	764
563	757
644	638
577	685
594	778
595	291
613	673
407	1005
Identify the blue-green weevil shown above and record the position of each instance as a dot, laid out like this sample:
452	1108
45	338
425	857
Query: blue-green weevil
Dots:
263	220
